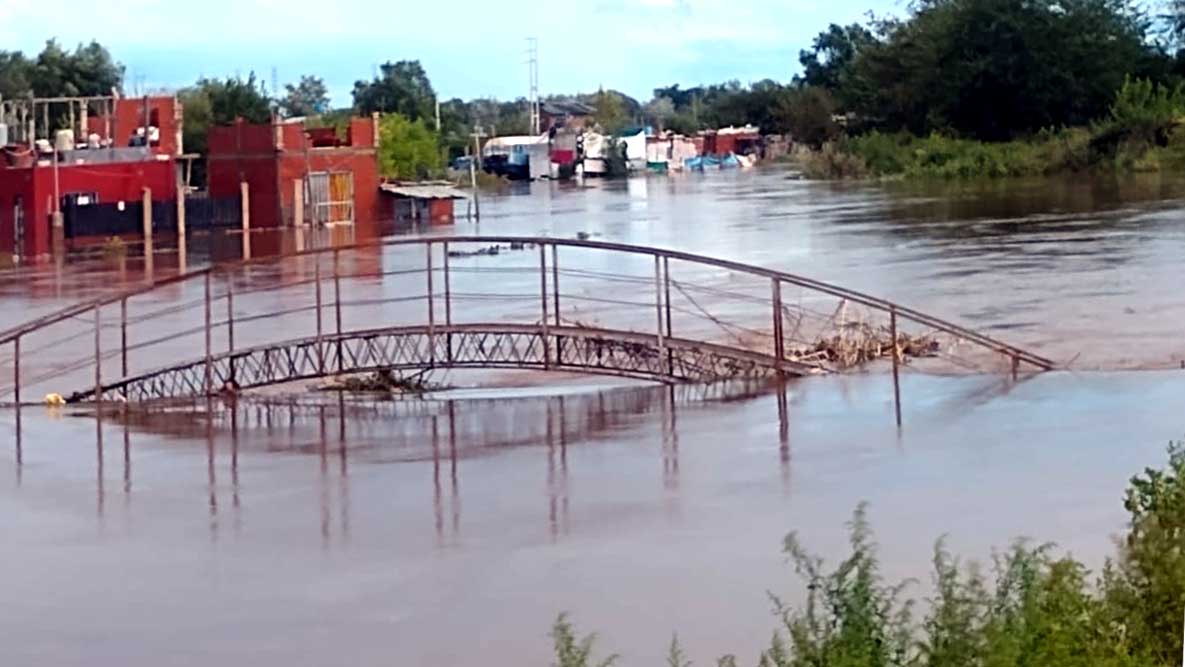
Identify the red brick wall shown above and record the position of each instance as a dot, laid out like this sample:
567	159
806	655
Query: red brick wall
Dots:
120	181
240	139
129	115
248	152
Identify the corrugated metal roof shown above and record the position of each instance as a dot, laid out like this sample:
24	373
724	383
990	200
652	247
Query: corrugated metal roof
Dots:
423	190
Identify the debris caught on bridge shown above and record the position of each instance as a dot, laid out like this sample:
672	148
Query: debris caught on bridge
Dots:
383	381
859	344
495	249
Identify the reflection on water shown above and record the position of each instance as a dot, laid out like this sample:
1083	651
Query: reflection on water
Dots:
324	529
336	430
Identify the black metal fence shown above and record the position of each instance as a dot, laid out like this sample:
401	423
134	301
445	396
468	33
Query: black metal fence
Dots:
116	219
205	213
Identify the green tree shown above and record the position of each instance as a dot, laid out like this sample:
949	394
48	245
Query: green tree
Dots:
996	69
611	113
14	74
829	62
309	97
195	103
235	97
807	115
211	102
408	150
659	112
87	71
401	87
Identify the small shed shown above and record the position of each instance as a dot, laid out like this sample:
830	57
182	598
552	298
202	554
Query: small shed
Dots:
419	202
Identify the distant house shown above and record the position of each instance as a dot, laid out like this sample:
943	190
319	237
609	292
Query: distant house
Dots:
565	114
339	179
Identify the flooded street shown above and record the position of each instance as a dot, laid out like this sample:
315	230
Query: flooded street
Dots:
452	530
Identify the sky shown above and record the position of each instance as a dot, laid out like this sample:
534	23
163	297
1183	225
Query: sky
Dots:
470	48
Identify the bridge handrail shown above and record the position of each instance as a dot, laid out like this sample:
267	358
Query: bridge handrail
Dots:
884	305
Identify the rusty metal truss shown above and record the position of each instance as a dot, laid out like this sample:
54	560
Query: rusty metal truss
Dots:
593	351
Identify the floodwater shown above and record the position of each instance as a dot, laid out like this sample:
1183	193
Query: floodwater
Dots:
452	530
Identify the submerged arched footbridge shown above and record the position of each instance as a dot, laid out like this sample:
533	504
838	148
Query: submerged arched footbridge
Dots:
460	302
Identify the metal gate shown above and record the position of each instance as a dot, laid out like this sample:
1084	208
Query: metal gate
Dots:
332	195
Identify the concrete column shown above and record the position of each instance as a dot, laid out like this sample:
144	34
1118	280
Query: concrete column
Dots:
245	203
245	200
146	221
297	202
182	242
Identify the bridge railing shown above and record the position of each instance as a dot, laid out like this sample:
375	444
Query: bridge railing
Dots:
441	282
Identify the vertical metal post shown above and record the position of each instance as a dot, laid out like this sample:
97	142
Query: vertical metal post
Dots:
448	293
666	278
896	364
320	328
658	309
448	304
337	303
209	381
779	335
1015	368
431	305
16	370
230	323
123	336
98	355
555	281
543	303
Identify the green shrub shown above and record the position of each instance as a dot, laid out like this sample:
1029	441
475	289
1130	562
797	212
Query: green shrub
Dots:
573	652
1036	610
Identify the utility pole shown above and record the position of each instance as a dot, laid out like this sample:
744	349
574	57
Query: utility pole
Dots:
533	76
473	166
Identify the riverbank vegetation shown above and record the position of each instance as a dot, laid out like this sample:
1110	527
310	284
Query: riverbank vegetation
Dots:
965	88
1033	606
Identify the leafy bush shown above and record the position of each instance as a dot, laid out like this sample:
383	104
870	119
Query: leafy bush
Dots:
573	652
1143	118
1037	609
940	156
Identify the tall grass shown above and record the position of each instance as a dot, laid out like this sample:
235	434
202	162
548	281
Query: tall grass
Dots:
1033	607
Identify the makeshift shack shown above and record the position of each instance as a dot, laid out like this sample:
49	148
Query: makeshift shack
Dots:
422	202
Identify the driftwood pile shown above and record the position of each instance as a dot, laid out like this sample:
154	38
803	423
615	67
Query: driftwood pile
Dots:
856	345
383	381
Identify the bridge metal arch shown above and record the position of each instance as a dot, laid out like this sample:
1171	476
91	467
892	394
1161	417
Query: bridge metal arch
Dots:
657	341
482	346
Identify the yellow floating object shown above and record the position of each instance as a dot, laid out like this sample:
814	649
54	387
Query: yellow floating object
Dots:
54	399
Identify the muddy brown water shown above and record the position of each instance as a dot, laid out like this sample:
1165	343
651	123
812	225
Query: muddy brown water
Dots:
452	530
